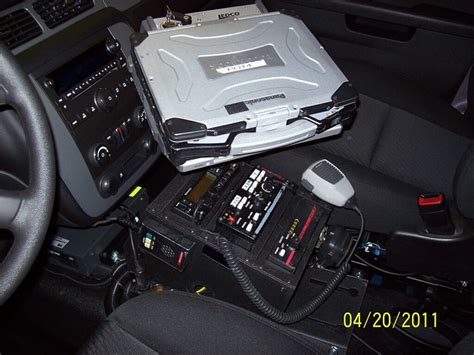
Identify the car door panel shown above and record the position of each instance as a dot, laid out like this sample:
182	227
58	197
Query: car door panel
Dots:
429	45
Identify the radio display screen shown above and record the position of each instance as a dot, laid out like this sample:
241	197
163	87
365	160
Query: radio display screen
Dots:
201	188
80	67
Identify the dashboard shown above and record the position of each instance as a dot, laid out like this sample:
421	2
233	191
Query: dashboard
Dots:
78	64
33	21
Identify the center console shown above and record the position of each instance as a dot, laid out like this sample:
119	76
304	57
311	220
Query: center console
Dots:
275	227
102	138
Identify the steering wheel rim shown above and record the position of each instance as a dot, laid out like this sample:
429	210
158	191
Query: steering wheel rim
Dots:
26	213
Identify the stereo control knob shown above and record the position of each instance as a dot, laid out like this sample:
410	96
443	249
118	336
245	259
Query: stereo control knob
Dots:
150	146
108	185
105	99
48	83
100	155
112	46
139	117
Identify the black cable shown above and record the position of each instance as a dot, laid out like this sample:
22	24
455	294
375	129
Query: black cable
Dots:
350	251
125	208
294	316
361	231
118	219
111	300
104	222
132	243
99	283
262	304
408	276
125	281
129	221
139	271
385	271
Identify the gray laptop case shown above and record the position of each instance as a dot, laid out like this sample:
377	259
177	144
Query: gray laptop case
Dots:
220	90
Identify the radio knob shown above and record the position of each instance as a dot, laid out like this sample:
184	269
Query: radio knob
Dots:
112	46
105	99
139	116
150	146
108	185
268	186
100	155
48	83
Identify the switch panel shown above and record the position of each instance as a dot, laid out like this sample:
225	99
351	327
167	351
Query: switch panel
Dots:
299	222
251	206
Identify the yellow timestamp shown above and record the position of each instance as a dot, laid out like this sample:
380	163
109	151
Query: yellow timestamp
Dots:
391	320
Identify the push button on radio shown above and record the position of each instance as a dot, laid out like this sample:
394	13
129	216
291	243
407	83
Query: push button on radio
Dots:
105	99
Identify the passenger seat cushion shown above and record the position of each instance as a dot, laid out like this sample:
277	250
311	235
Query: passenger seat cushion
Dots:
387	203
391	156
465	346
178	322
399	92
418	152
358	143
401	145
110	338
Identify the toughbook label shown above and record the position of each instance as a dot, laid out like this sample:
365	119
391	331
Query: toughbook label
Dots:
240	67
218	65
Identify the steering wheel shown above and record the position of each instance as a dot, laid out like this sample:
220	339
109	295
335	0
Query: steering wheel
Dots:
27	213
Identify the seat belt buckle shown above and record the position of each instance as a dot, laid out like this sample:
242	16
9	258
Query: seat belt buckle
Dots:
434	211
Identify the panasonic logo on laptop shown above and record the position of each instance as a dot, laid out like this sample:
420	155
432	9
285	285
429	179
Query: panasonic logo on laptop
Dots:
228	14
265	98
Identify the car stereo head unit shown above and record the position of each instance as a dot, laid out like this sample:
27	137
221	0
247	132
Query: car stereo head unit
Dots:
97	99
78	74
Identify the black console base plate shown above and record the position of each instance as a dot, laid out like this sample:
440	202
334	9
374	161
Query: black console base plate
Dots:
183	253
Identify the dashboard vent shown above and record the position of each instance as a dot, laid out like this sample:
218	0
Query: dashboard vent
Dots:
17	28
55	12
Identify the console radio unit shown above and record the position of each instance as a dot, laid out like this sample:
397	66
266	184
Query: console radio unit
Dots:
200	198
275	228
273	225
